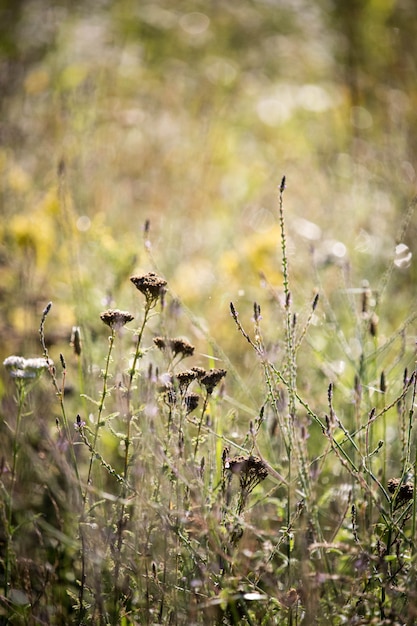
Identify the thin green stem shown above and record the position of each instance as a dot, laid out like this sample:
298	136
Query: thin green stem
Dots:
100	410
21	397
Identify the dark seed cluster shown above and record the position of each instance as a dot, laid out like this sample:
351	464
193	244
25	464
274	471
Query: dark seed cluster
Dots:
151	285
212	378
176	345
251	470
116	318
405	491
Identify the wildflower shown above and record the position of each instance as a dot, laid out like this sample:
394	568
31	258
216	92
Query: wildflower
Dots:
405	492
191	401
19	367
251	469
176	345
200	372
181	346
79	424
160	342
151	285
116	318
212	378
185	378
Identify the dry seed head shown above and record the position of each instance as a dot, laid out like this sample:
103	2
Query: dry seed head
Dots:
75	340
383	382
251	469
199	371
212	378
151	285
160	342
373	325
405	491
116	318
185	378
181	346
176	345
191	401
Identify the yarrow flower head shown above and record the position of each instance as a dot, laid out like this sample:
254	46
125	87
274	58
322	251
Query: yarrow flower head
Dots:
116	318
176	345
250	469
212	378
191	401
185	378
404	491
151	285
26	369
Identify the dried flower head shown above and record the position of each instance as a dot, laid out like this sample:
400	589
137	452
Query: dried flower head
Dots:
151	285
176	345
405	491
251	470
212	378
185	378
191	401
116	318
181	346
19	367
160	342
199	371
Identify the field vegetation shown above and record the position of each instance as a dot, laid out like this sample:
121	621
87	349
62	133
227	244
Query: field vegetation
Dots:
208	317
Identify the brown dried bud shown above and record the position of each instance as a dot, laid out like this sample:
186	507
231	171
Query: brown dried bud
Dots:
212	378
116	318
191	401
251	469
405	492
151	285
185	378
176	345
75	340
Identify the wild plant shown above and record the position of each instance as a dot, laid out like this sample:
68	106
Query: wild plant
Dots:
169	505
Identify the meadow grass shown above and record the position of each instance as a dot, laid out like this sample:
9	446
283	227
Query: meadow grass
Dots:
158	498
235	444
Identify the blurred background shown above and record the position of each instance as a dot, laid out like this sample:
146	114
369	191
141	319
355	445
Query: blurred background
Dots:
138	136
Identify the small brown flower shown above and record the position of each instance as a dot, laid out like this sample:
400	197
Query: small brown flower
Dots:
181	346
116	318
212	378
176	345
160	342
151	285
191	401
405	492
251	469
200	372
185	378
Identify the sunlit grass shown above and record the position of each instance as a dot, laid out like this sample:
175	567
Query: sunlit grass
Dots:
153	138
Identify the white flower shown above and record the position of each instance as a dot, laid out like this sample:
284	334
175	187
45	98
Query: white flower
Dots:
19	367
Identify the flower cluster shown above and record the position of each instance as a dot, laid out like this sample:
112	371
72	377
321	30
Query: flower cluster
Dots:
212	378
176	345
251	470
151	285
116	318
404	491
27	369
